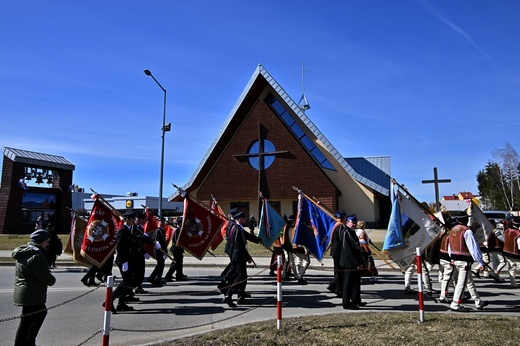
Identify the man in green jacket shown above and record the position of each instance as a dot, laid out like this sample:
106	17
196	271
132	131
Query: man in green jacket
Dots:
32	276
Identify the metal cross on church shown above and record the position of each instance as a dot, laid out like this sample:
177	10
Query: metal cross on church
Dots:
262	155
436	181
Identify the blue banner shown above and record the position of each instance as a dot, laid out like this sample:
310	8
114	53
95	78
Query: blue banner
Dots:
271	224
313	227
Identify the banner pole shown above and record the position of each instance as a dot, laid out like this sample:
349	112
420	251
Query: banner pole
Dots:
108	311
279	292
420	283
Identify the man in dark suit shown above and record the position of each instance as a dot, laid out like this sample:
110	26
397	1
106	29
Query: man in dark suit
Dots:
352	263
239	259
335	253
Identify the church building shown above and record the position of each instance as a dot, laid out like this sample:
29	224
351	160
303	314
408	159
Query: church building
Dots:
268	144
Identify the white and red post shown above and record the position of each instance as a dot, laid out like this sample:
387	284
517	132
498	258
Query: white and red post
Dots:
108	311
279	292
420	283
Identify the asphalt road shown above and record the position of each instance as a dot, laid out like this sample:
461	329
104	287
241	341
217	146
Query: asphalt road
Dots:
185	308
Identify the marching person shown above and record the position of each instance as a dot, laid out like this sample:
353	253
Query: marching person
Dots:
176	267
297	255
512	248
351	263
155	277
364	242
129	255
227	275
335	253
32	277
464	250
139	237
449	272
239	258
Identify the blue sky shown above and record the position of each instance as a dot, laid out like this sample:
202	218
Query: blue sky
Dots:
429	83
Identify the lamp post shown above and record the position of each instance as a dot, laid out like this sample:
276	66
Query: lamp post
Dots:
165	127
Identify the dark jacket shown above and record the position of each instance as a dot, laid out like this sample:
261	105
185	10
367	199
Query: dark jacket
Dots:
350	249
335	240
161	238
239	243
32	275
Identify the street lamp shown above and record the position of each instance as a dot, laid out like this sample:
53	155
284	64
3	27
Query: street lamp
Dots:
165	127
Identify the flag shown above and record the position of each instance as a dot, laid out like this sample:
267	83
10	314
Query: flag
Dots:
219	237
417	228
271	224
69	245
199	228
149	228
99	241
79	225
313	228
394	235
479	223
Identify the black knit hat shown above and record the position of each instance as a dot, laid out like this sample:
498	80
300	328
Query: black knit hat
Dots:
39	236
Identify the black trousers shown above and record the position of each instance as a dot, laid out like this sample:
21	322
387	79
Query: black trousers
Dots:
30	325
351	287
158	270
239	269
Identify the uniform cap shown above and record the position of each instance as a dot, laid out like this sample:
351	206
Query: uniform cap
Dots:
129	215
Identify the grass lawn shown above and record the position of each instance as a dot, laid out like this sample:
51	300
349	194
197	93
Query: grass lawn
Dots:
371	328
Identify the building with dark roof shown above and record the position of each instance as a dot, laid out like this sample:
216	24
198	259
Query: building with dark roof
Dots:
34	184
268	144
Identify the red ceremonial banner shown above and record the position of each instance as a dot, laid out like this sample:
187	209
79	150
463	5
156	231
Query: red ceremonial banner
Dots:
150	227
199	227
99	241
216	209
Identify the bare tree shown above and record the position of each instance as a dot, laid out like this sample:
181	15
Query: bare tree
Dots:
507	160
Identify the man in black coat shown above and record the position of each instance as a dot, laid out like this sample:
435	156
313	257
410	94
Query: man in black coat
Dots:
128	259
335	253
155	277
239	259
351	263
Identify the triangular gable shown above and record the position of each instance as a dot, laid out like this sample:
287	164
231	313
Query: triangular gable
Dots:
258	79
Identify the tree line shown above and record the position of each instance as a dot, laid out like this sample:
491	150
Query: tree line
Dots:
499	181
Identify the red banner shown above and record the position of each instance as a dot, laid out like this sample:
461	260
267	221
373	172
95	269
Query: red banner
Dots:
217	210
199	228
150	227
99	241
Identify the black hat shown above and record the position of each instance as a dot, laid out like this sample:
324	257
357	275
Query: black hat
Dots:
352	218
515	222
238	215
39	236
129	215
290	218
140	215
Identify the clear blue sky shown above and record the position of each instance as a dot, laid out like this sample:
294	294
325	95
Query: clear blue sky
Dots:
429	83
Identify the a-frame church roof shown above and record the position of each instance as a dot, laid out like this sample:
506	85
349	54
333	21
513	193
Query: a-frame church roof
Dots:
373	176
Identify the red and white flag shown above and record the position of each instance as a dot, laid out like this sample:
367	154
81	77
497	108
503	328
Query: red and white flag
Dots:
219	237
99	241
199	227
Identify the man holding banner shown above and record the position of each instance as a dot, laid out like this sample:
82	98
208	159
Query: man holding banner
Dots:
239	259
351	263
129	255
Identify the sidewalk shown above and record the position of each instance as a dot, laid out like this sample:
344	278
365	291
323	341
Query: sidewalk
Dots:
220	261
